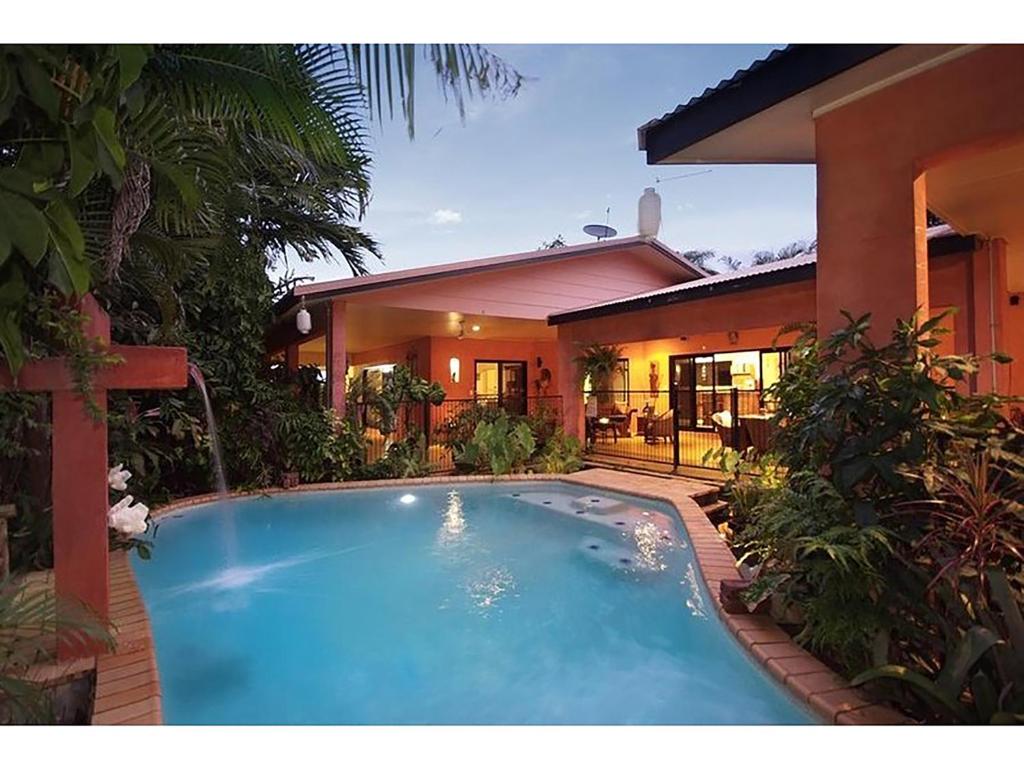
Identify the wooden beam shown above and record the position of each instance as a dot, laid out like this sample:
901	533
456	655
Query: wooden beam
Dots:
141	368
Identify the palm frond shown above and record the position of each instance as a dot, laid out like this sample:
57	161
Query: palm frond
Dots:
33	622
462	71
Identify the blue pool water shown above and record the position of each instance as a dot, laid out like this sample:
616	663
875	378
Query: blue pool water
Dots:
524	603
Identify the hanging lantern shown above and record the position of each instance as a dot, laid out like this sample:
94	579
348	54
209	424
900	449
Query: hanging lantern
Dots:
303	322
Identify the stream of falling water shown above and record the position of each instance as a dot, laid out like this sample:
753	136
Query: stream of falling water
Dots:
230	542
211	427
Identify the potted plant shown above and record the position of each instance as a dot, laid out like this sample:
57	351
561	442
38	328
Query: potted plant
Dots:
599	363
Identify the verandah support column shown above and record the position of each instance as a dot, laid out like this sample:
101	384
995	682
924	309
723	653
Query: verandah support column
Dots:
337	359
291	356
569	384
988	271
872	239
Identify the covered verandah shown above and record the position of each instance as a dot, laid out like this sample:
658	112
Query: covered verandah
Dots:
698	360
478	328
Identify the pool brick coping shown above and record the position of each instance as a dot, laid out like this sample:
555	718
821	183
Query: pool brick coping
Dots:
127	681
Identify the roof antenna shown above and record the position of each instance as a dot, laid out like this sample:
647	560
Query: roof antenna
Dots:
659	180
601	231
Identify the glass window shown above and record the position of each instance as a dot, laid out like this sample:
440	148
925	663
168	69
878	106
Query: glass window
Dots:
621	380
486	379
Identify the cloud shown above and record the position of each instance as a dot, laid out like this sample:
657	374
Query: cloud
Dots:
445	216
581	215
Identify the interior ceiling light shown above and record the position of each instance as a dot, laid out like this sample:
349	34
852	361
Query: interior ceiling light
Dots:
475	327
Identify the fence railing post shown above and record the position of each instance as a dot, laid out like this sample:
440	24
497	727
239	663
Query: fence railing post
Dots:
734	406
675	436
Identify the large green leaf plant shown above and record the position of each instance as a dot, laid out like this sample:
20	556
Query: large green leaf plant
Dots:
60	113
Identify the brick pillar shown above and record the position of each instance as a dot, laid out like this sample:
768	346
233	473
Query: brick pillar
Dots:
872	243
569	385
337	359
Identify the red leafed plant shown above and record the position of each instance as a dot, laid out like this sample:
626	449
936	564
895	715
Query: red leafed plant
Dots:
974	518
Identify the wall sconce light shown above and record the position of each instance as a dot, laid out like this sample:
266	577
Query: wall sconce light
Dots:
303	322
454	368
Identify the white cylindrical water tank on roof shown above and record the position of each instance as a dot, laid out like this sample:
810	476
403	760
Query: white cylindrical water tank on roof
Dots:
649	213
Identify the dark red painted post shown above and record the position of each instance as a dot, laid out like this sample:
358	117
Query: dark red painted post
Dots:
79	457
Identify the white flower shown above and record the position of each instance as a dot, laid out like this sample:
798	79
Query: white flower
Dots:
117	478
127	517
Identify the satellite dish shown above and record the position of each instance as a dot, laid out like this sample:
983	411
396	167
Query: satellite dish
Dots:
600	231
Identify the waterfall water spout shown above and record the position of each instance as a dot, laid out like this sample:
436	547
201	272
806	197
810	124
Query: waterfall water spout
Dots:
211	427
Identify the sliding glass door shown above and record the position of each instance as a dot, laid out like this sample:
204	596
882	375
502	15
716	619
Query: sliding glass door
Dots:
503	381
703	385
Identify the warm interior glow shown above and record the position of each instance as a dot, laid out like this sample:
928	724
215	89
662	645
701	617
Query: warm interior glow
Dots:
454	368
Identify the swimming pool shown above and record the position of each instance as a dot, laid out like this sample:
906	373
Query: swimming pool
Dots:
474	603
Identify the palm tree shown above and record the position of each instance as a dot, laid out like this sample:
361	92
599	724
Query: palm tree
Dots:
388	75
177	153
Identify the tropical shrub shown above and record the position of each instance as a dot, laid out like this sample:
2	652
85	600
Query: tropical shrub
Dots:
891	528
318	445
561	454
751	479
457	431
401	398
403	458
500	447
31	619
544	422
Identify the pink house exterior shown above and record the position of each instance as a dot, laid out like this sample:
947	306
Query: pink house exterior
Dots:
487	314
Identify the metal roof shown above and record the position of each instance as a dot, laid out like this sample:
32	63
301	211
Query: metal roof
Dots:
773	273
942	240
728	82
320	291
781	74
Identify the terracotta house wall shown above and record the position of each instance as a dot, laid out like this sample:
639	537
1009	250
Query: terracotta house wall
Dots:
1014	317
949	280
470	350
433	355
418	349
872	156
747	311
